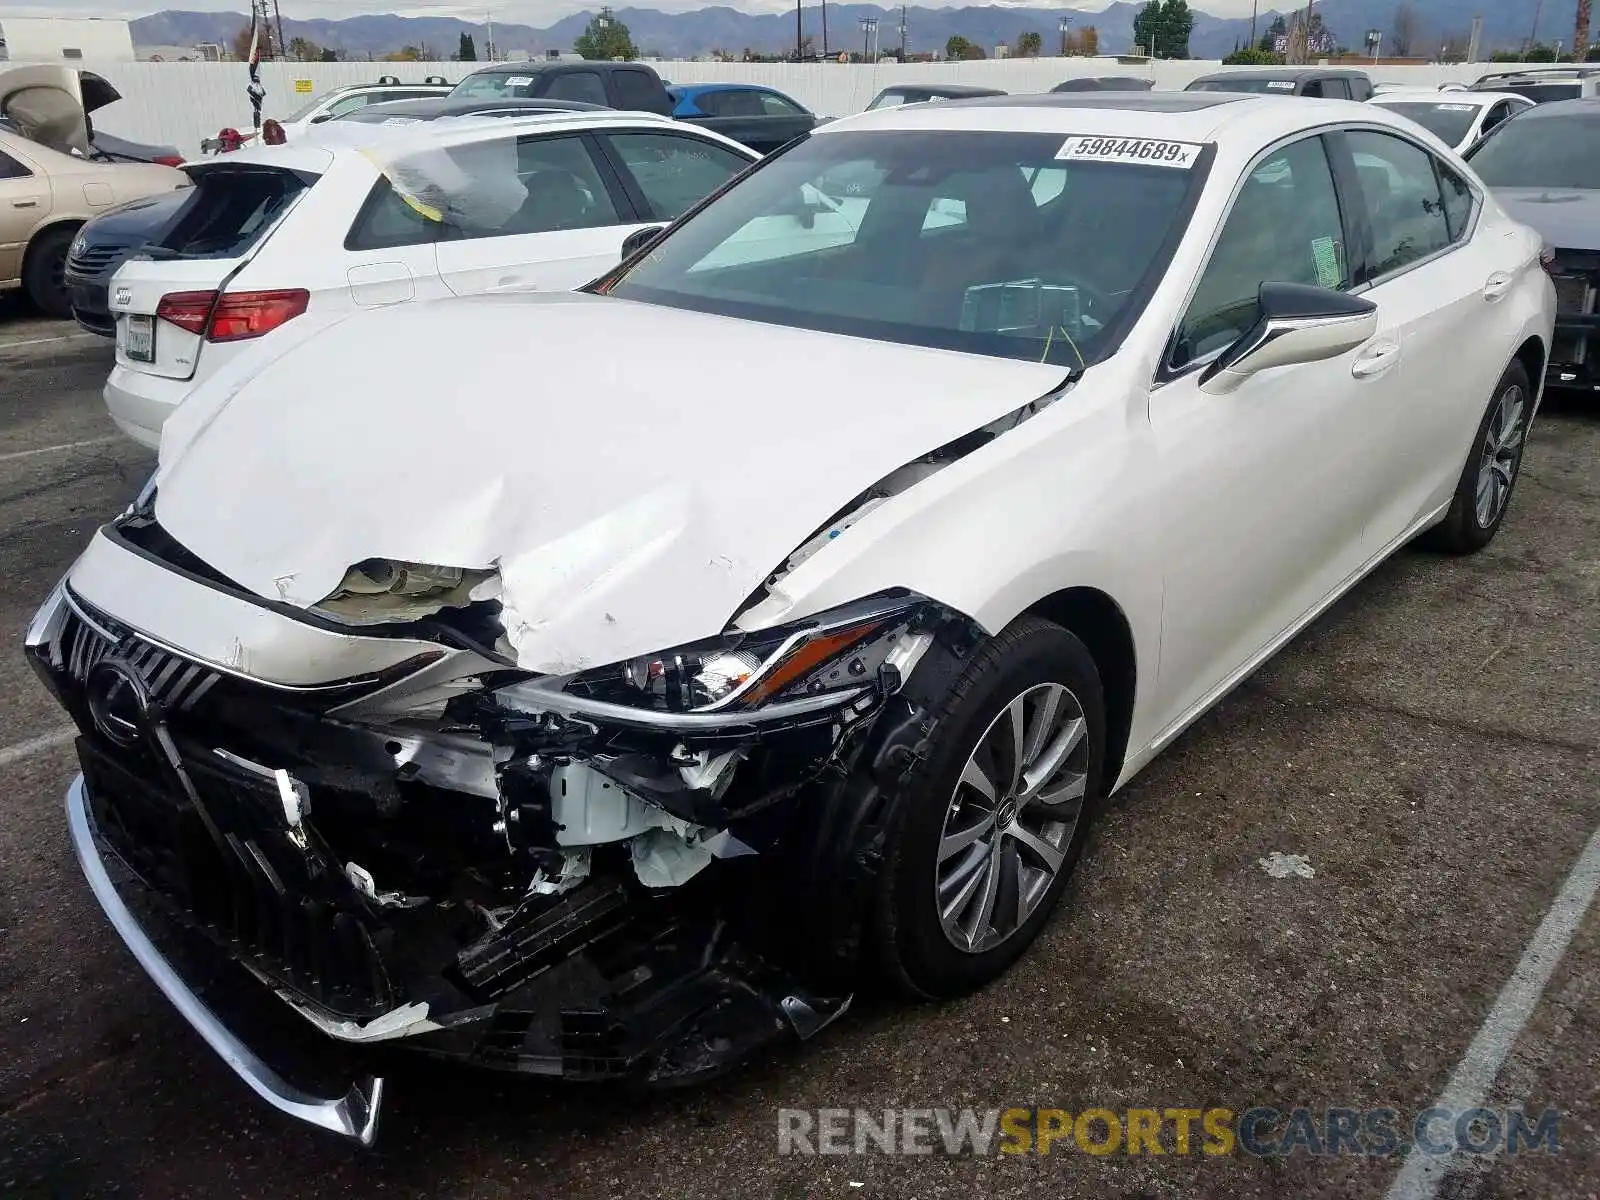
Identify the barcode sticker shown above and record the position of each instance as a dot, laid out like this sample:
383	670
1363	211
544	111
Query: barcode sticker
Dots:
1148	152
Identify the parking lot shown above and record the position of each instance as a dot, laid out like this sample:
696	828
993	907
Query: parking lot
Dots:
1431	747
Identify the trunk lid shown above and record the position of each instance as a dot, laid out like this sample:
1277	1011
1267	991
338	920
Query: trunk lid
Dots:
50	105
231	213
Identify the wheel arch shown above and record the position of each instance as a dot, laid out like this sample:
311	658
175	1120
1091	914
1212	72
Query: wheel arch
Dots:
63	224
1099	622
1533	355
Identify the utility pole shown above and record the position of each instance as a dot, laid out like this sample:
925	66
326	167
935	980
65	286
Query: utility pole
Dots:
903	32
1254	4
824	29
1533	34
1580	33
283	46
488	20
797	37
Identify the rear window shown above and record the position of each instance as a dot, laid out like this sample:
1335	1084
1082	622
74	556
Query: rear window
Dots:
1538	151
1446	121
1543	93
229	210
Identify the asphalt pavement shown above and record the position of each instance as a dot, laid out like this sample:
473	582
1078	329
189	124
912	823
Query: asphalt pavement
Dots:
1420	771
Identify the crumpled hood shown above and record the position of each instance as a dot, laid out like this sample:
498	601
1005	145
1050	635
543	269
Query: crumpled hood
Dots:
50	105
635	472
1567	218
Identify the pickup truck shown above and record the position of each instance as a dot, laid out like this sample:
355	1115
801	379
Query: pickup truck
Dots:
758	117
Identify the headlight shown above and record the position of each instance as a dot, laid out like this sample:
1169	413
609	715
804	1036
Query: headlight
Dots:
837	651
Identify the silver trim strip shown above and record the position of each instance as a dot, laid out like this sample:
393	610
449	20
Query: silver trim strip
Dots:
354	1116
533	698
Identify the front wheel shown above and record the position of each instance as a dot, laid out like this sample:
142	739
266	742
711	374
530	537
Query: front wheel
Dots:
993	821
1484	490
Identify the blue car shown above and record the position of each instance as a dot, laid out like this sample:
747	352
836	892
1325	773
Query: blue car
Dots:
760	117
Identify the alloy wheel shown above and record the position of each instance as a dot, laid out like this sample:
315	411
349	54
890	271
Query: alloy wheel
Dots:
1010	820
1501	455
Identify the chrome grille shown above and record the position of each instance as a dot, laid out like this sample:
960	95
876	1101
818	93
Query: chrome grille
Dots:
93	259
175	682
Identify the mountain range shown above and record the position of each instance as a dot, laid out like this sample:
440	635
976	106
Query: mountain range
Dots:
689	34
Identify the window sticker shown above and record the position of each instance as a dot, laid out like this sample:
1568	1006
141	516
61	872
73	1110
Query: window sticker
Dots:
1281	85
1325	253
1149	152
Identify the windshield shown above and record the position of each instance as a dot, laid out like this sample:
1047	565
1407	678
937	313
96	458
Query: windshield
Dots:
1241	85
1541	151
494	85
1018	245
1447	122
306	109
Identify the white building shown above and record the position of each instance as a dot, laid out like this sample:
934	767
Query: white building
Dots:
65	39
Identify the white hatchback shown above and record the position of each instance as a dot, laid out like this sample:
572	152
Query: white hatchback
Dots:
1456	118
361	216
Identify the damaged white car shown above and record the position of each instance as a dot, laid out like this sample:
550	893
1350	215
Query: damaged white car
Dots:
602	685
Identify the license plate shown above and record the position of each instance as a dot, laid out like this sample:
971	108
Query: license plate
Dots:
139	337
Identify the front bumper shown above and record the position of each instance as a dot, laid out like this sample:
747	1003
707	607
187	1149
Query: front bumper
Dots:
352	1115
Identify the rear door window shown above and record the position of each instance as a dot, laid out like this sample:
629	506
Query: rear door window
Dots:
10	168
387	221
578	85
775	105
230	209
637	90
672	171
1405	205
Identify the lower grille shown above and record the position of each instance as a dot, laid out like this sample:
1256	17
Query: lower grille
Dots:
234	873
89	638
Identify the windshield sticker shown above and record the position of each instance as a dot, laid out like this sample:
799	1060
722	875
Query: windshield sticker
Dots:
1326	256
1281	85
1454	107
1145	151
519	81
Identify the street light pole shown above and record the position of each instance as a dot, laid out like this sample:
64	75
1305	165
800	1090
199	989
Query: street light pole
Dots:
1064	25
797	30
824	28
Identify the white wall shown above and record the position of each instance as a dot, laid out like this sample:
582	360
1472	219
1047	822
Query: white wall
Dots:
178	104
42	39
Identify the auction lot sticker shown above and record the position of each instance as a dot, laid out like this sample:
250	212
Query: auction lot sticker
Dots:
1150	152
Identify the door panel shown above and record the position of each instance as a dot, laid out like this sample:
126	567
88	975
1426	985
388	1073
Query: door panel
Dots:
1262	500
25	203
1428	279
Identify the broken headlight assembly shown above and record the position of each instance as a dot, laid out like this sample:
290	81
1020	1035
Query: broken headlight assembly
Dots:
818	663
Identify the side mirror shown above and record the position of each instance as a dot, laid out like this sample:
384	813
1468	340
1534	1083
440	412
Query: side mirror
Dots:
639	239
321	117
1295	323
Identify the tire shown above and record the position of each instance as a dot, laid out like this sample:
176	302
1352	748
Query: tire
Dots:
42	274
1030	661
1496	453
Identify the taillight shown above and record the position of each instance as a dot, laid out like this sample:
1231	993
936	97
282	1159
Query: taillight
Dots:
187	310
241	315
233	316
168	160
1547	259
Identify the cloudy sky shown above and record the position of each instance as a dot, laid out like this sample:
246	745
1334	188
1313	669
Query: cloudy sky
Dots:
532	12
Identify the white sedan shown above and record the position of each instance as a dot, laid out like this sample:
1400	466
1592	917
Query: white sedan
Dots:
356	216
591	677
1456	118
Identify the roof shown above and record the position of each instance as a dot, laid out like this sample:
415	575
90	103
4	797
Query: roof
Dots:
1251	120
700	89
1283	73
950	90
444	106
1435	96
1586	106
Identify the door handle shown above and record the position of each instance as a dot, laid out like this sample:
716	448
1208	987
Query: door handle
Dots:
1497	286
24	204
1375	360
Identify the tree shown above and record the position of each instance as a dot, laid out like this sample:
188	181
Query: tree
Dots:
606	38
1029	44
1250	58
957	47
1091	41
264	45
329	55
1539	53
466	48
1407	31
1163	28
1269	40
304	50
407	54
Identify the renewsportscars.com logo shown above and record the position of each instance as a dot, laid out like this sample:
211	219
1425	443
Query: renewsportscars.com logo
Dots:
1261	1132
